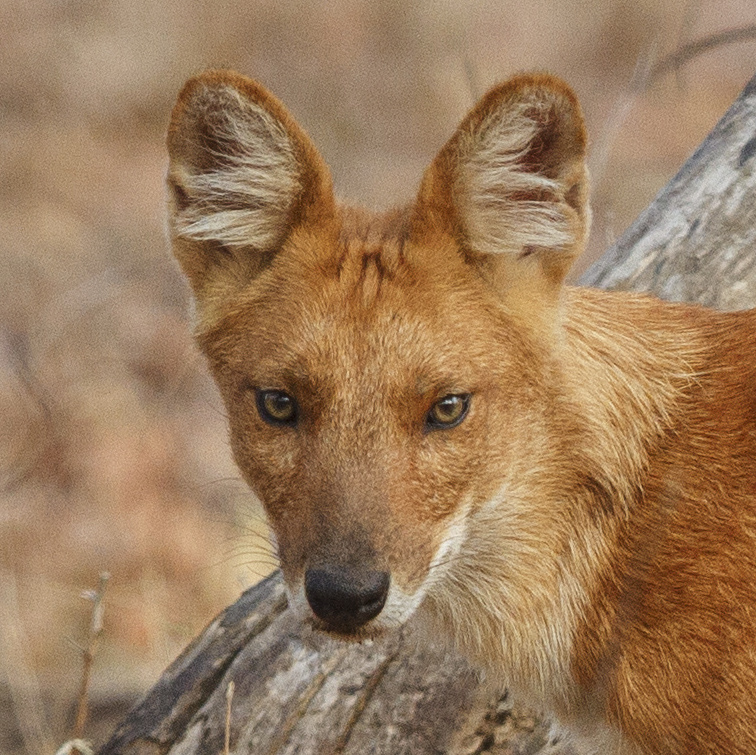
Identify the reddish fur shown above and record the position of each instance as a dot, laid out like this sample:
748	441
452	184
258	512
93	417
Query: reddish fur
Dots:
614	579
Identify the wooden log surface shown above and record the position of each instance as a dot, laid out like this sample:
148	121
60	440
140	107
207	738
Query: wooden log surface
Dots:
297	693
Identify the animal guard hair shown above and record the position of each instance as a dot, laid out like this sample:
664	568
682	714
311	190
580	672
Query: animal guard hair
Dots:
562	480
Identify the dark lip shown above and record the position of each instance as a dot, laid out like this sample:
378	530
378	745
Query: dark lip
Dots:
361	634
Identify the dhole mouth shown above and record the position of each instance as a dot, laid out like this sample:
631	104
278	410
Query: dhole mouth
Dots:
365	633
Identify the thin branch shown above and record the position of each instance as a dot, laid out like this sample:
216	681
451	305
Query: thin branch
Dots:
89	652
645	74
676	60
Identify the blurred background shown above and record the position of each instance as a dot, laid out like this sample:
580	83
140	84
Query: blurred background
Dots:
113	453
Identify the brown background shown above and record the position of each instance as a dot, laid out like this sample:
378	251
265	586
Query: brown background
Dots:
112	441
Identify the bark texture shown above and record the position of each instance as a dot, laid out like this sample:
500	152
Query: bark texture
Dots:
295	693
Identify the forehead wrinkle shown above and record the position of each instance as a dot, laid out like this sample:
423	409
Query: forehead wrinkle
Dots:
371	249
330	337
367	323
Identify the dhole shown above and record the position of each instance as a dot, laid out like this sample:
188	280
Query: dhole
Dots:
563	479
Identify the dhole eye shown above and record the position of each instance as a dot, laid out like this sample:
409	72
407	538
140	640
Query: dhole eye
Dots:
447	412
276	407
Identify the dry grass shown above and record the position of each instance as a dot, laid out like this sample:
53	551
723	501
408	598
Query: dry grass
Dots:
112	443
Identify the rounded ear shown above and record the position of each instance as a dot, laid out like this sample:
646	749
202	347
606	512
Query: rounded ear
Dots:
242	175
511	184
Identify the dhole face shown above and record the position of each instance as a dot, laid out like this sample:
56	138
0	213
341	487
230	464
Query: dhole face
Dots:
364	481
385	376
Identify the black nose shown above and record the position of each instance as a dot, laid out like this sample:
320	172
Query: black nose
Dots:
346	598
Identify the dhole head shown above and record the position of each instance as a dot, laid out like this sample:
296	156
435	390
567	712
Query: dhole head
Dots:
386	376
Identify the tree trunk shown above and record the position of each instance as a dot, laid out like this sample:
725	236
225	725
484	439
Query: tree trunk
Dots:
297	693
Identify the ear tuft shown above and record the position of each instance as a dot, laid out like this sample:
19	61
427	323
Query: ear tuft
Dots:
241	178
242	175
512	179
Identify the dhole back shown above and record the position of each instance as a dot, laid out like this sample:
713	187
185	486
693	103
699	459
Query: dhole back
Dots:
563	480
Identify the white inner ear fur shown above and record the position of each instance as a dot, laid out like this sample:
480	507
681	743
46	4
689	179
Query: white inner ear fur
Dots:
491	175
245	200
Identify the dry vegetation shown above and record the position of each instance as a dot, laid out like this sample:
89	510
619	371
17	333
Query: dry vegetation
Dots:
112	441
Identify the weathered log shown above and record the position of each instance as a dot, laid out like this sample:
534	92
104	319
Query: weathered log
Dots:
295	693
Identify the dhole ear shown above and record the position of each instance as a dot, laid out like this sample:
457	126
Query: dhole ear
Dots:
242	176
511	185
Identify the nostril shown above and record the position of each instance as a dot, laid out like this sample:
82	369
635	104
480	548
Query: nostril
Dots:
346	598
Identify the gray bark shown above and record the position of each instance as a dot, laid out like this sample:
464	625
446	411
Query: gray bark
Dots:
295	694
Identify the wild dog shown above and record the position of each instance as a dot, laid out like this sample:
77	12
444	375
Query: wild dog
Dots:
564	479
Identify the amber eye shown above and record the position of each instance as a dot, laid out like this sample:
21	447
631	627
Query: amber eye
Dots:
276	407
447	412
